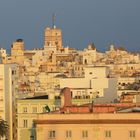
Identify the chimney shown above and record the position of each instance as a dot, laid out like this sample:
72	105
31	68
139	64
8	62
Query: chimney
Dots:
66	99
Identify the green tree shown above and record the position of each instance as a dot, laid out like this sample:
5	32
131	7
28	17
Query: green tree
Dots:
47	108
3	128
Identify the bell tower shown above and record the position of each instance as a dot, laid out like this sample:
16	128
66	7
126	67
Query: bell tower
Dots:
53	36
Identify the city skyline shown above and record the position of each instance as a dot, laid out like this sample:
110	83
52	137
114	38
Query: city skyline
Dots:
103	23
87	90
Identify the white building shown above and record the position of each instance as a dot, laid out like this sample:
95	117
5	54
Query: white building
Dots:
3	52
96	84
89	55
7	92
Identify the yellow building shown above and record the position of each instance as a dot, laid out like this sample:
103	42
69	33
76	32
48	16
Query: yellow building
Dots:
92	126
27	111
17	51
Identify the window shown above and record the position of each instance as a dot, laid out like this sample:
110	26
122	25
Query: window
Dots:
25	109
34	109
52	134
84	133
48	43
123	84
85	61
87	97
108	134
132	134
57	97
13	72
56	43
25	123
68	134
71	94
44	110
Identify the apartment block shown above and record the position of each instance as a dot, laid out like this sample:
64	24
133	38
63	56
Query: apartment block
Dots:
28	110
91	126
8	90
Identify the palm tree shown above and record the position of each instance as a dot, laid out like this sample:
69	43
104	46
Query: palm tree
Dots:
3	128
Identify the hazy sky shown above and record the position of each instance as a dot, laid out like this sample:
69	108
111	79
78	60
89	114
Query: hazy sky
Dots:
103	22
